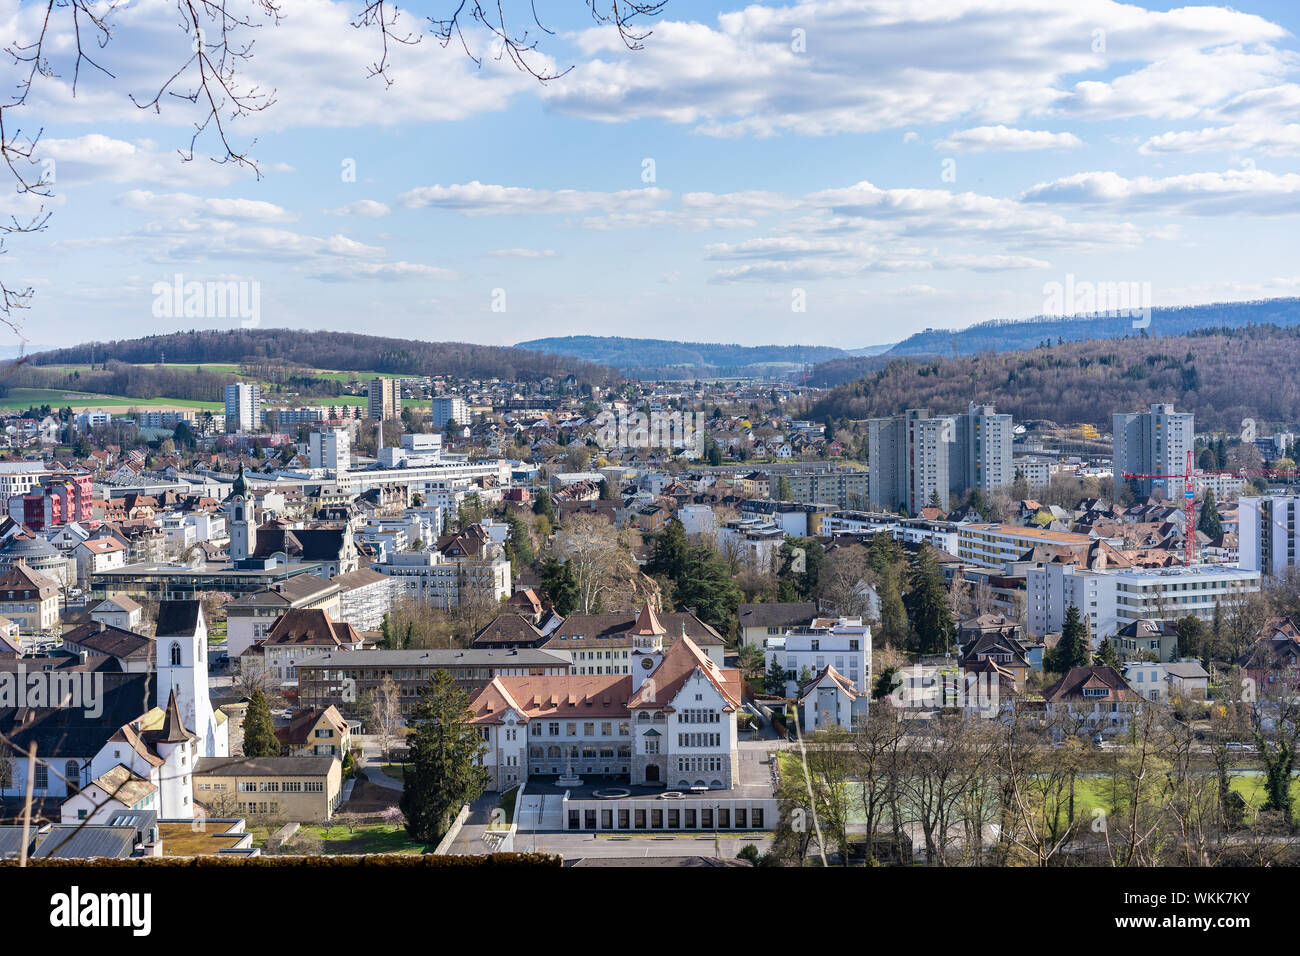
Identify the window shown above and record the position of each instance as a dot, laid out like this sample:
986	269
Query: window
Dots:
175	654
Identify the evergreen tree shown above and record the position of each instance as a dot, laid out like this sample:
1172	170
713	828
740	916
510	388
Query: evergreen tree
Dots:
444	769
1106	655
783	489
774	682
519	541
1210	524
707	587
1072	649
927	605
561	586
542	505
668	551
893	613
259	728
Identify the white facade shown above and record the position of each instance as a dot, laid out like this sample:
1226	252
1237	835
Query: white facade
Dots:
843	643
330	449
1153	442
449	408
1110	600
1267	533
1148	679
243	407
698	519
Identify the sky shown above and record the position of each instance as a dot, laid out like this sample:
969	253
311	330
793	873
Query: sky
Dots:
835	173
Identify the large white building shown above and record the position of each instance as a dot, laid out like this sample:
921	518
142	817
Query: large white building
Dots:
330	449
983	453
916	456
1109	600
843	643
670	721
449	408
1153	442
243	407
1267	535
430	577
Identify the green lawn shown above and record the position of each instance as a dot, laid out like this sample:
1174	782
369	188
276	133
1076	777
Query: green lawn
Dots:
370	838
23	398
395	770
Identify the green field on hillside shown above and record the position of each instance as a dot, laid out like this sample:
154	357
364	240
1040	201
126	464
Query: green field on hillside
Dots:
20	399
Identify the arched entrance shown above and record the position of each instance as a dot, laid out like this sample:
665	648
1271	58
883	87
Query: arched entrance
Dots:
652	773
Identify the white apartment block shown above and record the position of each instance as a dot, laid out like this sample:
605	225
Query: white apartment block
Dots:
983	454
330	449
698	519
1267	535
1154	442
993	545
429	577
449	408
843	643
938	534
20	477
1112	599
756	541
243	407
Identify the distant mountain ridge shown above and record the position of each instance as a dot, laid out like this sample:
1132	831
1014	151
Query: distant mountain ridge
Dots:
347	351
1010	335
666	358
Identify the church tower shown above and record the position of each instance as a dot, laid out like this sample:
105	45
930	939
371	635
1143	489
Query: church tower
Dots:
243	519
181	642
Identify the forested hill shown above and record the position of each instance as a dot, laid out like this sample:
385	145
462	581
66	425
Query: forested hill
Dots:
1222	376
345	351
662	358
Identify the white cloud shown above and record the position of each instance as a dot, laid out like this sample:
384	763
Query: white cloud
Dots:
93	158
357	271
479	199
1234	192
362	209
524	253
881	64
984	138
186	204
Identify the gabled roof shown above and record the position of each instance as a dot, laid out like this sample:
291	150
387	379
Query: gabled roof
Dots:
777	614
680	661
310	627
513	630
297	732
122	784
1073	684
829	672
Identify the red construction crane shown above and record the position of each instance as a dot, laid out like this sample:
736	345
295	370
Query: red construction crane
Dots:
1189	495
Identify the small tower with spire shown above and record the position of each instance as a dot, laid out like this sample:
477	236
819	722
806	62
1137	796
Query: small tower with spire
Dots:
647	644
243	518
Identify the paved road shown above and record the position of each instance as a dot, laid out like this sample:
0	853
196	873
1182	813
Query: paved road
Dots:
470	842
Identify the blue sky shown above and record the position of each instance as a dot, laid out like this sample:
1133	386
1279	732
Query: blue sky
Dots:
894	165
